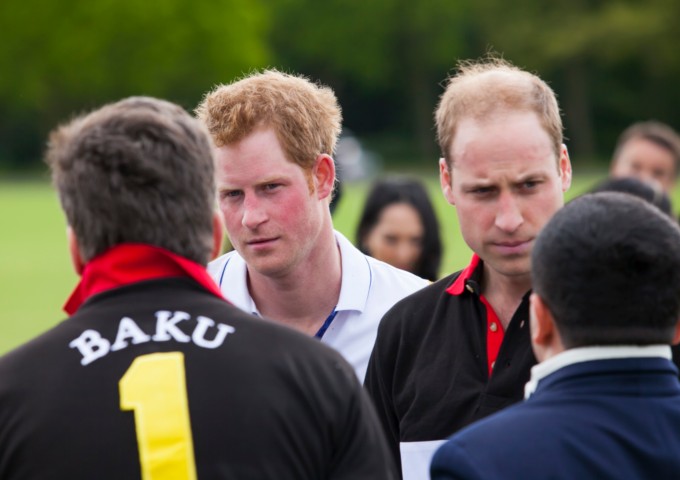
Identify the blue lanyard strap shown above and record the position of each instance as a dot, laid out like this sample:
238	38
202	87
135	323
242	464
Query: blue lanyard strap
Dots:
326	324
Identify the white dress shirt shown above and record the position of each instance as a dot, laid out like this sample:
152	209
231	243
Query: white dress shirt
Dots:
369	288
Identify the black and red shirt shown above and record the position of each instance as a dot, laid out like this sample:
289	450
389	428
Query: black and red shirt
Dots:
442	360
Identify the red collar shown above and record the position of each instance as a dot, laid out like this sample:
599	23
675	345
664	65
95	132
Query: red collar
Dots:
130	263
458	286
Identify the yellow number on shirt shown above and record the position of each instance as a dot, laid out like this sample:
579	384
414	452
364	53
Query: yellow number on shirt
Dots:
154	387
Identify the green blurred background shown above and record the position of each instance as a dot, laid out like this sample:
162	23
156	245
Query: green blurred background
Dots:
611	63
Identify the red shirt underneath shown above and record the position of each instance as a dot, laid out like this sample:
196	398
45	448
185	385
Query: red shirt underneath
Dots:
494	328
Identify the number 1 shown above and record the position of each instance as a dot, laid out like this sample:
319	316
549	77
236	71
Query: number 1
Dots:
154	387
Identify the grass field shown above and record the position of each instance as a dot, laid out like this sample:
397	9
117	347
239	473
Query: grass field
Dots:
35	270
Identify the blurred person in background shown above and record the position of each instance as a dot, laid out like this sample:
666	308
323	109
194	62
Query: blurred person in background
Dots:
155	375
274	135
399	226
649	151
459	349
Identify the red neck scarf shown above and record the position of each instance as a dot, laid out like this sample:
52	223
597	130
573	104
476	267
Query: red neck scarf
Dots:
130	263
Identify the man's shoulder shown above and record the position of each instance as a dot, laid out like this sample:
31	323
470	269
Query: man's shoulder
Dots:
517	428
395	278
424	299
30	352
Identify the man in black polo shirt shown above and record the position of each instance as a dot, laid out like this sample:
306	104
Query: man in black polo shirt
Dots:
155	375
459	349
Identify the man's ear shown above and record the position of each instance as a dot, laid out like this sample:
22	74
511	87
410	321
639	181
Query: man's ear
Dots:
445	181
323	176
545	339
218	235
565	168
74	250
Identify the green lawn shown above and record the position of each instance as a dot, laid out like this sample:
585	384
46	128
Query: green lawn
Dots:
35	270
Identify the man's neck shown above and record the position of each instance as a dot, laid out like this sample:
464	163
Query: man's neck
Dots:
304	297
504	293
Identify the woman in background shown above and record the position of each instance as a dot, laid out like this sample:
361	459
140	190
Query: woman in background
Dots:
399	227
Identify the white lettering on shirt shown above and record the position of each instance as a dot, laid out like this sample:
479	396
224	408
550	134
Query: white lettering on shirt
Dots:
204	323
166	327
92	345
127	328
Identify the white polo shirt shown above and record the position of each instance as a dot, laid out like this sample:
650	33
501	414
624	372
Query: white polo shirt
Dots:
369	288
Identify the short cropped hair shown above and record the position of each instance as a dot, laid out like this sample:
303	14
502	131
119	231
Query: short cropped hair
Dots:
392	190
656	132
306	117
607	266
140	170
481	88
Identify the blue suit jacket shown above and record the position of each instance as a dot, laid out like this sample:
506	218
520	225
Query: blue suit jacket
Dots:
617	419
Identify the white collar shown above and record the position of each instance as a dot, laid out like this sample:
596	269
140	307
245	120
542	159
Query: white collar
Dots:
354	289
585	354
356	276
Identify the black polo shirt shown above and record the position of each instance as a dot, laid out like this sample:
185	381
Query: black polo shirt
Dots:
163	376
429	372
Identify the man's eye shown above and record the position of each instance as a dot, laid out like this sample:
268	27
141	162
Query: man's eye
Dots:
230	194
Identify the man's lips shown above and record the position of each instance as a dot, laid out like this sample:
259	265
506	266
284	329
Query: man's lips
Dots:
513	246
260	241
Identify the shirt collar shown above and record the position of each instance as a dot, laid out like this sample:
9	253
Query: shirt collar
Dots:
356	276
237	291
471	272
585	354
354	289
130	263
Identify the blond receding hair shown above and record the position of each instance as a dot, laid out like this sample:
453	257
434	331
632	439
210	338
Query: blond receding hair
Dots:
305	116
483	87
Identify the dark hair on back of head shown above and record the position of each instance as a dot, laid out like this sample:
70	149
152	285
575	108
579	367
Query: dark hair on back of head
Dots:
607	265
136	171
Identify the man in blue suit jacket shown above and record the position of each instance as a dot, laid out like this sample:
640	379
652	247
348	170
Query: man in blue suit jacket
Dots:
604	401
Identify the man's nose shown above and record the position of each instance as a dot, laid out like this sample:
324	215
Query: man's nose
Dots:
254	212
509	215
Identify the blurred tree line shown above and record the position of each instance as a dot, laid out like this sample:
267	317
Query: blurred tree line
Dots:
611	62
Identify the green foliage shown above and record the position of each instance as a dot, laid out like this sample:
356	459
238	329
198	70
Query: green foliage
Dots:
57	58
611	63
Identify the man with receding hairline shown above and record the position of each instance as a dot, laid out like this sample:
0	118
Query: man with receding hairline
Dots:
459	349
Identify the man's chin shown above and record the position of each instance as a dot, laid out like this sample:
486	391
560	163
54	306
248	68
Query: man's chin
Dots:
518	267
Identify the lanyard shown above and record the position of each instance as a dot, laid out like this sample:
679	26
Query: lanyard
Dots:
326	324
